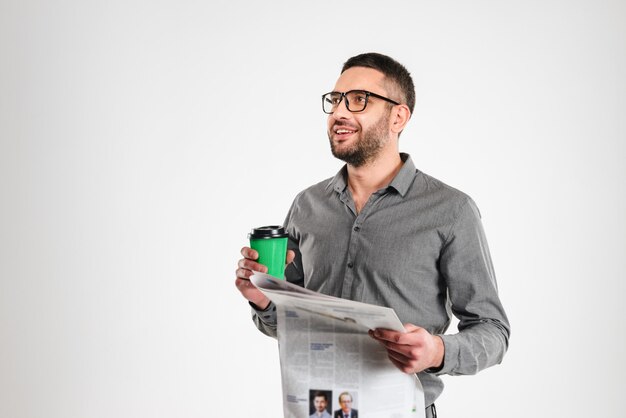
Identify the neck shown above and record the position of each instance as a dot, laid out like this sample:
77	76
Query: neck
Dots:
372	176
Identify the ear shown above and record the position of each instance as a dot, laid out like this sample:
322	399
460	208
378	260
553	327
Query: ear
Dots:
400	117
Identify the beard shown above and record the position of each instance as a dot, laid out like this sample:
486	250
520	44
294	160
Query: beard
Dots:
365	149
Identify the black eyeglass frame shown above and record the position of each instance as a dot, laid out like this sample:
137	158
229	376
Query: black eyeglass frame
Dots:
344	96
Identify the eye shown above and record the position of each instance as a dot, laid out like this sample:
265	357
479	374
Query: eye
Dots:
358	97
332	99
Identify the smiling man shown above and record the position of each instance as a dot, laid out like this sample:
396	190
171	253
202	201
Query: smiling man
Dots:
383	232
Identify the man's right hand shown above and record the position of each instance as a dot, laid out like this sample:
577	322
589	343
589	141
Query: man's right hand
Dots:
246	268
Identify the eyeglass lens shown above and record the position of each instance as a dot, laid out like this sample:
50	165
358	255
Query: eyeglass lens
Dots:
356	100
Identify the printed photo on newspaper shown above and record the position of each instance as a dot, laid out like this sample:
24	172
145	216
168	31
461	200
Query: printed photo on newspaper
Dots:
330	366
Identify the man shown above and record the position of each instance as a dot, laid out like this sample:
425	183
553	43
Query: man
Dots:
385	233
320	402
346	411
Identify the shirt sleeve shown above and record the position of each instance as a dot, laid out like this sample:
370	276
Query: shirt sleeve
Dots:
266	320
465	264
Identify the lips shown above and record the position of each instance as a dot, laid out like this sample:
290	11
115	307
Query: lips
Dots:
342	131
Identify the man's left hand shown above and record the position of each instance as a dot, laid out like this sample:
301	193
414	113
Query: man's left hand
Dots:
413	351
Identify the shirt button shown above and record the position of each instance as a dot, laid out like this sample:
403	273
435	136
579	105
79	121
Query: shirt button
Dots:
350	264
357	228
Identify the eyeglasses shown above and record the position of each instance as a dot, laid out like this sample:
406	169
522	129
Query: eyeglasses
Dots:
356	100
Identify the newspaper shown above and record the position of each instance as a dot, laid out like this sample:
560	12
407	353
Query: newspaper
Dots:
327	357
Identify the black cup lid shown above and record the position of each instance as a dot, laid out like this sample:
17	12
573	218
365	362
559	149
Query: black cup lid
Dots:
271	231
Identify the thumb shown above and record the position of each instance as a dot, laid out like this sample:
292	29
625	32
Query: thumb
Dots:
290	256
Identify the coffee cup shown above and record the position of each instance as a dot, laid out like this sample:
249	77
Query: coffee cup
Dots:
271	244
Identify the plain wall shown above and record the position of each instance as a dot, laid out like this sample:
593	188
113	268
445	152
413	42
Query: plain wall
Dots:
140	141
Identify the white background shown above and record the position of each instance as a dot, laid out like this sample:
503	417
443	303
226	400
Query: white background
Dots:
141	140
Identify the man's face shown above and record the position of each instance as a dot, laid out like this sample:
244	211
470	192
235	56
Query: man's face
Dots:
345	401
357	138
319	403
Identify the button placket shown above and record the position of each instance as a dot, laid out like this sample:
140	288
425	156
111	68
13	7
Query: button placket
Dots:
354	244
350	278
353	248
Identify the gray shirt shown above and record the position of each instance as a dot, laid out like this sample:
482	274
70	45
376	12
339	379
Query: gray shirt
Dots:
418	247
324	414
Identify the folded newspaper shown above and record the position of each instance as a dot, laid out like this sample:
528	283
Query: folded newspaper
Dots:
328	361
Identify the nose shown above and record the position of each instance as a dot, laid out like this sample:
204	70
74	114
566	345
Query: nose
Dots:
341	111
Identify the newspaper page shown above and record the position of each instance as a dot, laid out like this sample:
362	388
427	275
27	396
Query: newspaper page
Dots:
329	364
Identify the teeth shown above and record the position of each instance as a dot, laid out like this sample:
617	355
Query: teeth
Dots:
344	131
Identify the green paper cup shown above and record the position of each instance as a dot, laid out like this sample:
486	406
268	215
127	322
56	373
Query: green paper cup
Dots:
271	244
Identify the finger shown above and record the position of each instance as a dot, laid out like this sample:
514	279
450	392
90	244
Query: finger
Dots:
412	333
402	342
382	334
243	273
290	256
401	352
412	352
398	357
242	283
249	253
404	368
246	263
245	287
407	364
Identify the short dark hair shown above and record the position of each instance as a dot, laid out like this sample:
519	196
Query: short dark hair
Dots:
321	395
394	72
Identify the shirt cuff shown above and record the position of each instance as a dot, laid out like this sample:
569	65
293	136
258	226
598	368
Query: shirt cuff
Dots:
268	315
451	355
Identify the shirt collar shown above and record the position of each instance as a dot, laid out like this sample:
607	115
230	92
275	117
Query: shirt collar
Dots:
401	182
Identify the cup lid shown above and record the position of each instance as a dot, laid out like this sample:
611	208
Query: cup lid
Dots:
271	231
